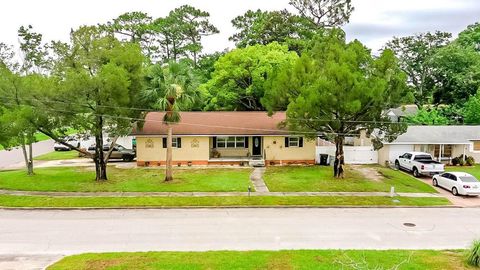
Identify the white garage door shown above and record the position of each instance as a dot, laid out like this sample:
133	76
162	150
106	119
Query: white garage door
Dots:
398	150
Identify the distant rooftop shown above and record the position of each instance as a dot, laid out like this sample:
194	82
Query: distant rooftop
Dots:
439	135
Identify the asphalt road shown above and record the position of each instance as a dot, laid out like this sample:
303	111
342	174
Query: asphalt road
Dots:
70	232
15	156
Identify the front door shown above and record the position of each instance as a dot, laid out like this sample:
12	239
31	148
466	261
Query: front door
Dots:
257	146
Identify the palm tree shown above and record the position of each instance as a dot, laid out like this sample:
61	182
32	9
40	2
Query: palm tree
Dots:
171	88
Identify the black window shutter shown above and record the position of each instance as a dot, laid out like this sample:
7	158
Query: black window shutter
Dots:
286	141
300	142
179	142
214	142
246	142
164	142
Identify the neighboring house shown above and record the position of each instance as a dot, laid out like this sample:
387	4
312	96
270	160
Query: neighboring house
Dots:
442	142
397	114
209	138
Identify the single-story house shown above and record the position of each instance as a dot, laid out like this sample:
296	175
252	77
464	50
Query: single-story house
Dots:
443	142
209	138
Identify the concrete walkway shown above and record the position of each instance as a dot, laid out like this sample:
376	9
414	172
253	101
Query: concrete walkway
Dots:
257	179
214	194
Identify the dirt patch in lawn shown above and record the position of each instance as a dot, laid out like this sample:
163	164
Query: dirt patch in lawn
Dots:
369	173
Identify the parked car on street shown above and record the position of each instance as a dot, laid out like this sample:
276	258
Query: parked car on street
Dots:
419	164
459	183
119	152
70	140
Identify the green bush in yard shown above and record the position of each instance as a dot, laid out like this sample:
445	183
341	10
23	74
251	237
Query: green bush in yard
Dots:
473	254
470	161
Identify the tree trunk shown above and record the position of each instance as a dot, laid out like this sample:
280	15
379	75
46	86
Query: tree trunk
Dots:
339	158
28	159
169	168
99	159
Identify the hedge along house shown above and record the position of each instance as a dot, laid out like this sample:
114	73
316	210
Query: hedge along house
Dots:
443	142
223	138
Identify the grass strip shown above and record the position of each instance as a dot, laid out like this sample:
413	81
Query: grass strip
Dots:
300	259
267	201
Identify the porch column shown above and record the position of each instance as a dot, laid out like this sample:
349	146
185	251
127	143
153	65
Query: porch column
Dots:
464	153
440	153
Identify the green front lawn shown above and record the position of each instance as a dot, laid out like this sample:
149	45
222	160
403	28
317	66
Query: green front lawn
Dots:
260	201
301	259
58	155
127	180
316	178
474	170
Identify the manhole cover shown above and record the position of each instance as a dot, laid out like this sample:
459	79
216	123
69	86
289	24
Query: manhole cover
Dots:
409	225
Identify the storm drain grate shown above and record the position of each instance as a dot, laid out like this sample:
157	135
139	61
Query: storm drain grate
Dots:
409	224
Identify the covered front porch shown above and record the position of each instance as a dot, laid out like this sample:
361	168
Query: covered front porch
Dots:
236	150
444	152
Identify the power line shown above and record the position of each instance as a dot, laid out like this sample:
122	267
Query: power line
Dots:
225	114
212	126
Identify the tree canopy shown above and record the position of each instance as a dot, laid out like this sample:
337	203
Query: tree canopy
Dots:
325	13
99	84
338	88
416	60
265	27
238	82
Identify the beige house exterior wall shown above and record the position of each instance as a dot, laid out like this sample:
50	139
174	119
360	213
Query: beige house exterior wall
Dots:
197	149
275	150
193	149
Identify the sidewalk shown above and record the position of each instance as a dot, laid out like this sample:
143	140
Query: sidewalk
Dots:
214	194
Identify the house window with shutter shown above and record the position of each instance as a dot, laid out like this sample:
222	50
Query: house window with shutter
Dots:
294	142
176	142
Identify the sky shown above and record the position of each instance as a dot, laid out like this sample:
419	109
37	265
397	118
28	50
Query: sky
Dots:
373	22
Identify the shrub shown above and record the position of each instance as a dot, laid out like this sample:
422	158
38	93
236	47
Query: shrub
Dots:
470	161
473	254
455	161
461	162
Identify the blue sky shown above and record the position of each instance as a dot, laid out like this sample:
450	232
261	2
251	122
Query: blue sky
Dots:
374	21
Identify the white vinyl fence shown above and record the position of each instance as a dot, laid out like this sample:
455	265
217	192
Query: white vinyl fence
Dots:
353	154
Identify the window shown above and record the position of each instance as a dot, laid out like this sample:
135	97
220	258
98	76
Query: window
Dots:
476	146
293	142
176	142
446	150
231	142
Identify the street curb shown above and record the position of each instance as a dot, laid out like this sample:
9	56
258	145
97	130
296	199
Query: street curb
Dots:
227	207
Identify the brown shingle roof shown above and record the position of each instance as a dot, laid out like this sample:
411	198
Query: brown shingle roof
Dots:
216	123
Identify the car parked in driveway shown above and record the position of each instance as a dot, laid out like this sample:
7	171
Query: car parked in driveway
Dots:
70	140
459	183
419	164
119	152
